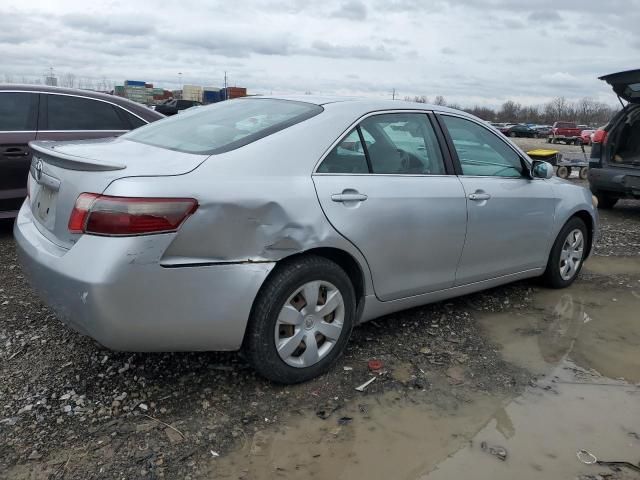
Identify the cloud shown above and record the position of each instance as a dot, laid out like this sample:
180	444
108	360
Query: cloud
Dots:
351	10
448	51
551	16
325	49
108	24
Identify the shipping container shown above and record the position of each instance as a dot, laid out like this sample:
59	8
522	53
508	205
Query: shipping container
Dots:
211	96
134	83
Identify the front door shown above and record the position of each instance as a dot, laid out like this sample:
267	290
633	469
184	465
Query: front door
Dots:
385	188
510	215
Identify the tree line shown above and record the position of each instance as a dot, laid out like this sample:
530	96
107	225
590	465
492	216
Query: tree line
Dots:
585	111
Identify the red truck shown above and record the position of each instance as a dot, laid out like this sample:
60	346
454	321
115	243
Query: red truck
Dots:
567	132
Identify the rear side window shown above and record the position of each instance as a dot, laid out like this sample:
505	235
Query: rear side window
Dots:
346	157
65	112
18	111
223	126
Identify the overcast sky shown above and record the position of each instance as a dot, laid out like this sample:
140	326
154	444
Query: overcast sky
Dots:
469	51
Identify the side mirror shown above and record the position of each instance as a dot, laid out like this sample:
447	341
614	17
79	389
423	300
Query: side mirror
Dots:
541	169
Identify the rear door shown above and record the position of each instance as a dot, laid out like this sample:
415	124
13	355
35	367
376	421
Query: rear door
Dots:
510	214
71	117
385	187
18	125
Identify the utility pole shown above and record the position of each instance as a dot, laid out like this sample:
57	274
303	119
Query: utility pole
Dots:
393	94
226	94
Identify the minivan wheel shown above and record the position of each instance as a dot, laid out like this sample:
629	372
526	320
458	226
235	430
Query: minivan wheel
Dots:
567	255
301	320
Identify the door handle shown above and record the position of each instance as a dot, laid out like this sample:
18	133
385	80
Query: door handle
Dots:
479	196
348	197
15	152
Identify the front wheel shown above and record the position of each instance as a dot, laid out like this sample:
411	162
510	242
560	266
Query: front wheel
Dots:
567	255
301	320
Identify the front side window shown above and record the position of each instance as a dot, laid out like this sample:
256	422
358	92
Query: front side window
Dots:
223	126
395	143
17	111
481	152
65	112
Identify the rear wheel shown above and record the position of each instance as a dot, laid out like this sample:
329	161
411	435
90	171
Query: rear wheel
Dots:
513	134
578	141
567	254
301	321
549	139
606	201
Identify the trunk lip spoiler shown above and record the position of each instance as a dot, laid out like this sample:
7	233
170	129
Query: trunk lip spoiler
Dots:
71	162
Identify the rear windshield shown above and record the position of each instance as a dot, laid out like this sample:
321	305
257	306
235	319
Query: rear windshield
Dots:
224	126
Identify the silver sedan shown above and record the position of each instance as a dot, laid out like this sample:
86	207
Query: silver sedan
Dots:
275	225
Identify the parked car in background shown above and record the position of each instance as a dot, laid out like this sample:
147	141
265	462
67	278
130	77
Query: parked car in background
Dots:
519	131
585	137
543	130
173	106
566	132
36	112
614	166
275	225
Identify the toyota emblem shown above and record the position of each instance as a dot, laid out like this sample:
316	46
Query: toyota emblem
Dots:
38	169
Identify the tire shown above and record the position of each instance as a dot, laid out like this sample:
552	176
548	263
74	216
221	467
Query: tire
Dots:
549	139
606	201
563	172
584	173
554	275
513	134
282	293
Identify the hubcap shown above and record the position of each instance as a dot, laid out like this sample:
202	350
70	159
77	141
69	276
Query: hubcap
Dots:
571	255
309	324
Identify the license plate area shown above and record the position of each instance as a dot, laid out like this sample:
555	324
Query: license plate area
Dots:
44	205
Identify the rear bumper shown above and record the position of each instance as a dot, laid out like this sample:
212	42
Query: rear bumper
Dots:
115	291
619	180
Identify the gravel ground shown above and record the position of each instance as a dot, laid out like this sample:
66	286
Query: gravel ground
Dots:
71	409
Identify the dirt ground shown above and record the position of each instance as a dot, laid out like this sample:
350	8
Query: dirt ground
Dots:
504	383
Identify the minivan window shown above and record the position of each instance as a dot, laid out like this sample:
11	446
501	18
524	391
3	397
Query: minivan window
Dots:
18	111
65	112
223	126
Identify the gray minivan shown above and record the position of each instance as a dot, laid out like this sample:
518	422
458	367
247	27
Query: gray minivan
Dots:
614	166
37	112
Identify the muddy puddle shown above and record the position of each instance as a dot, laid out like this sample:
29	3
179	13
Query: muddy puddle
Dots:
582	344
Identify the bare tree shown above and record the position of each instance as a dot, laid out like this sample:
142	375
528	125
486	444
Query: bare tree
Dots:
439	100
68	80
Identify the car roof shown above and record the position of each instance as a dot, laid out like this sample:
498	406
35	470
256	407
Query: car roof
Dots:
360	103
123	102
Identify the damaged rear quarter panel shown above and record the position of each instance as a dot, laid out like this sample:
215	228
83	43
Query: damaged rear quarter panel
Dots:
256	204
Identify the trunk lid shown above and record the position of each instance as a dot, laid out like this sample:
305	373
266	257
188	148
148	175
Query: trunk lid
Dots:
61	171
625	84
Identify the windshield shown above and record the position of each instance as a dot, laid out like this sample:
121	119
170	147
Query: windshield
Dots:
224	126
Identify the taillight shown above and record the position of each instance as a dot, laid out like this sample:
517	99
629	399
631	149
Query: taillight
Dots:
106	215
600	136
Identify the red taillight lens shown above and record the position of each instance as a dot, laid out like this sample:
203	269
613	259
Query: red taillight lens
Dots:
600	136
105	215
